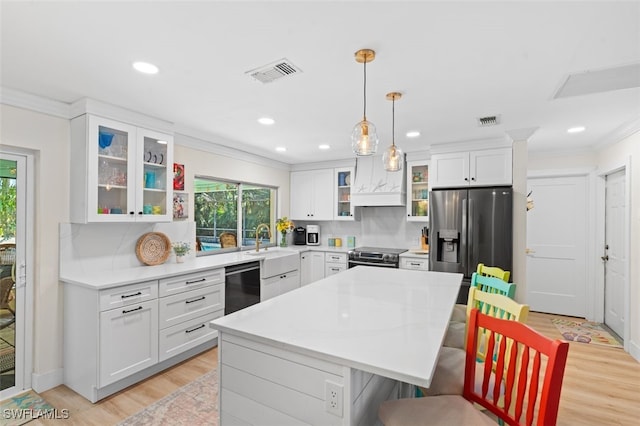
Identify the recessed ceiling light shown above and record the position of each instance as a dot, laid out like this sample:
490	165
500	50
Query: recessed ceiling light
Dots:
266	121
576	129
161	142
324	146
145	67
281	149
413	134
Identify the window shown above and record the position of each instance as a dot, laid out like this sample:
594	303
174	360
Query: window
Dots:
227	213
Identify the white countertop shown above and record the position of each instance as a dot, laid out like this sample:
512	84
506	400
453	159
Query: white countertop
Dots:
123	276
389	322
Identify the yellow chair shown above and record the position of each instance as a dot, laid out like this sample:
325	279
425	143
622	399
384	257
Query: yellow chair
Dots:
460	311
448	377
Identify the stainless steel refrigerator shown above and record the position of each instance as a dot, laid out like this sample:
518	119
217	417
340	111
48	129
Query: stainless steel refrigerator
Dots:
467	227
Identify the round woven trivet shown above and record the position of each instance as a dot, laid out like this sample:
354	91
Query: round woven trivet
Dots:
153	248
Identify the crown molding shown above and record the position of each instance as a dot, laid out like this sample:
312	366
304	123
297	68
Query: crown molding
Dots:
470	145
114	112
35	103
185	137
620	134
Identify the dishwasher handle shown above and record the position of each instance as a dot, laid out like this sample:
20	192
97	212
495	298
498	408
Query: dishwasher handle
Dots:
242	268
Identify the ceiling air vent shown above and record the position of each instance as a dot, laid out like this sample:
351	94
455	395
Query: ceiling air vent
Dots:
274	71
492	120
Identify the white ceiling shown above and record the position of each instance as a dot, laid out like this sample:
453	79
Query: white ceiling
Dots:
453	61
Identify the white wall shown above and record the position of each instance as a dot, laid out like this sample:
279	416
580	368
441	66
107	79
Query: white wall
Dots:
47	138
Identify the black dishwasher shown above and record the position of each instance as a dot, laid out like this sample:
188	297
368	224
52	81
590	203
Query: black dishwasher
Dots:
242	286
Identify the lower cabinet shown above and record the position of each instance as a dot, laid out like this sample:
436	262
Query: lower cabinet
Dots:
279	284
118	336
335	263
419	263
311	267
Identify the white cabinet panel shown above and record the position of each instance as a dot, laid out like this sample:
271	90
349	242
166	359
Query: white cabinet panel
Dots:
186	282
312	195
311	267
421	264
275	286
191	304
128	341
472	168
334	268
126	295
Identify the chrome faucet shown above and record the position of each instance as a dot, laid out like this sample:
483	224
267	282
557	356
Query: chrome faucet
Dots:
258	228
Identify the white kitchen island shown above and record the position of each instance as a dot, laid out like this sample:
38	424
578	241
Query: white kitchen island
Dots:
330	352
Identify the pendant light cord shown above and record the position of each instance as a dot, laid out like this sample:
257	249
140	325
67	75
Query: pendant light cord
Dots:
393	121
364	115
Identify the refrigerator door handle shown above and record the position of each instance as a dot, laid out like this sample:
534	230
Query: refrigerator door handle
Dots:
470	248
463	238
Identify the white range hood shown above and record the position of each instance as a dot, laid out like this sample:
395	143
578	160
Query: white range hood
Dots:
374	186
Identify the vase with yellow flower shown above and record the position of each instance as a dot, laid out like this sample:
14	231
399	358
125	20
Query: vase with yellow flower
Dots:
284	226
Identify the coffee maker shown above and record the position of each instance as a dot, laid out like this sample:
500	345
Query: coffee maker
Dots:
299	236
313	235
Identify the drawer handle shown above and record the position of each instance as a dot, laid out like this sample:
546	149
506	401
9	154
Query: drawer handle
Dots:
132	310
414	264
194	329
124	296
196	281
194	300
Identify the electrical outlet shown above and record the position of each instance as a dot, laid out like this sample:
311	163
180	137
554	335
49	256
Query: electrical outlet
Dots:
333	398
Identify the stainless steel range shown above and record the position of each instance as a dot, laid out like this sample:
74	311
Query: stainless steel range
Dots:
375	256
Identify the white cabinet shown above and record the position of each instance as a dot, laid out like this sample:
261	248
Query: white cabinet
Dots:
418	191
471	168
118	336
311	267
312	195
335	263
128	341
279	284
119	172
420	263
343	209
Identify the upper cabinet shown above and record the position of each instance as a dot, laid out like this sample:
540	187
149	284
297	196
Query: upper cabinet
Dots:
312	195
343	208
485	167
418	191
119	172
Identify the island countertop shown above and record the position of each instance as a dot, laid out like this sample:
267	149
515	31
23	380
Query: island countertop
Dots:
389	322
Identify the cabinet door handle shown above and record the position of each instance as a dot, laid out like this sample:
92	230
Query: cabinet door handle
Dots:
132	310
124	296
466	179
194	329
473	179
414	264
196	281
195	300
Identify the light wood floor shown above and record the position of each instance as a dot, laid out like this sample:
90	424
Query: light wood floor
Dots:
601	387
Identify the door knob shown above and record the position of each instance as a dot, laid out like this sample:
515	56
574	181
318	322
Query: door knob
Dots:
604	258
529	251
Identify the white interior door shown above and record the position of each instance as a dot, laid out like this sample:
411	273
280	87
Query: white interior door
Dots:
556	245
615	255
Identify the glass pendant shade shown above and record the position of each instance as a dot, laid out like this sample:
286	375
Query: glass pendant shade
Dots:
393	158
364	138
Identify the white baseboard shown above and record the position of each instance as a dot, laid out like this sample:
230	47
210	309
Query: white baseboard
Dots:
46	381
634	350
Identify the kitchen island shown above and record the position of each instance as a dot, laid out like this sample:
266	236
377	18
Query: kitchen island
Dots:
330	352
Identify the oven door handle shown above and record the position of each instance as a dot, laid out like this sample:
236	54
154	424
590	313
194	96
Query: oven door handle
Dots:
387	265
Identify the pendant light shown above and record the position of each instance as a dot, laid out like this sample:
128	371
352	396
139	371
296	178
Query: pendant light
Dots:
364	138
393	157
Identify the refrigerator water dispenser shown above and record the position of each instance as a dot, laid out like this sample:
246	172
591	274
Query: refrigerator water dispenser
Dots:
448	244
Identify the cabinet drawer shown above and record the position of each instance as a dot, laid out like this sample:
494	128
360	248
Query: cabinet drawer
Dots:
128	295
336	258
182	283
184	336
331	268
185	306
410	263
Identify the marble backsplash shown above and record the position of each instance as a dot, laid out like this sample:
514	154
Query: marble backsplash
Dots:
112	246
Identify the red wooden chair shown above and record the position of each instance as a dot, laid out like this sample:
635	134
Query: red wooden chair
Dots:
524	389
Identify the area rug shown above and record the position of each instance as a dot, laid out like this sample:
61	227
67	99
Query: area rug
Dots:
23	408
585	332
195	403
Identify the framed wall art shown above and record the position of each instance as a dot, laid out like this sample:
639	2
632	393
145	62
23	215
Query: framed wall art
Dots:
178	177
180	205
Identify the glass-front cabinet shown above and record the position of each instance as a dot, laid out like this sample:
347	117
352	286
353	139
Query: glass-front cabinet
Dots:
343	209
418	191
120	172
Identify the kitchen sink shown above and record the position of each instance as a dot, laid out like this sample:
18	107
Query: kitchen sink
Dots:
276	261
